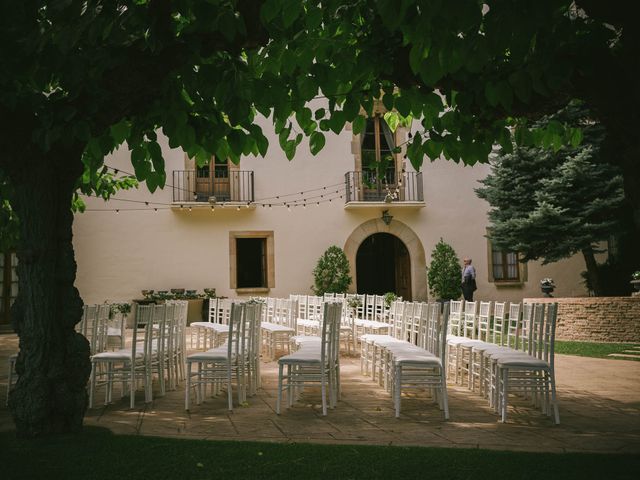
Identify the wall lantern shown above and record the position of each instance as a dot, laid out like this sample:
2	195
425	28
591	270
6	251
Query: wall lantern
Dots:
386	218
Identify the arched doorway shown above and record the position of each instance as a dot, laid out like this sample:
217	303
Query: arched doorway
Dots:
418	283
383	265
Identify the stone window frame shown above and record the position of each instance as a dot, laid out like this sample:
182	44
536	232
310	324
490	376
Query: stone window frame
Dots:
522	269
268	235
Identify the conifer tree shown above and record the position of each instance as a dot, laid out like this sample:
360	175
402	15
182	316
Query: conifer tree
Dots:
549	204
444	272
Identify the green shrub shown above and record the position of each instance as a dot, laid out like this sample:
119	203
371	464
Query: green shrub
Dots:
444	272
331	274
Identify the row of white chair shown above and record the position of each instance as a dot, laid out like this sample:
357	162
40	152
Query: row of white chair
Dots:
212	332
412	355
485	344
317	361
157	346
237	358
279	324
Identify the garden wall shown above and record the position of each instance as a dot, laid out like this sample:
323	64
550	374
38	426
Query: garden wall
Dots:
596	319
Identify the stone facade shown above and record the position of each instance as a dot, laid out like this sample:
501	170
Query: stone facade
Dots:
596	319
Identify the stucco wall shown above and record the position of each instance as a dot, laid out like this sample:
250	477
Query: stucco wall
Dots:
118	255
597	319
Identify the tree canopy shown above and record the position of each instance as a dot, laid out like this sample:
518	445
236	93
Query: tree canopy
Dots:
550	205
81	77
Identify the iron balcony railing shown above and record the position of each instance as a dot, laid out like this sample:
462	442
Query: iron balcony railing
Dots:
222	186
387	186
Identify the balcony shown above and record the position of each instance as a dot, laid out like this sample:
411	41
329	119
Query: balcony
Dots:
369	189
221	187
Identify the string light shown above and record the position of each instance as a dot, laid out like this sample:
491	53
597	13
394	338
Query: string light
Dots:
117	211
213	209
189	207
238	208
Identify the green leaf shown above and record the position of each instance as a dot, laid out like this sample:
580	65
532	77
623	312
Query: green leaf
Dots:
316	142
403	105
120	131
393	120
576	137
290	149
359	124
387	101
432	148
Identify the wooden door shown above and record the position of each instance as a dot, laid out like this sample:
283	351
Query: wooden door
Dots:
8	285
221	184
403	270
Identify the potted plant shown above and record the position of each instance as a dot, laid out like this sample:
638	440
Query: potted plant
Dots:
444	273
547	286
635	281
331	274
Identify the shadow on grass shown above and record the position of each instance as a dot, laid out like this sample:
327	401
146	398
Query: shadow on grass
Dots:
96	453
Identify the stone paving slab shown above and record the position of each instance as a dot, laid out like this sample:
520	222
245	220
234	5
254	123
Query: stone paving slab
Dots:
599	412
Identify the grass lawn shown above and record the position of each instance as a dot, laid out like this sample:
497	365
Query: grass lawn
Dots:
592	349
98	454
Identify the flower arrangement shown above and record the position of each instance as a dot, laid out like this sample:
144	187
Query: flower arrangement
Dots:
354	303
547	282
123	308
389	298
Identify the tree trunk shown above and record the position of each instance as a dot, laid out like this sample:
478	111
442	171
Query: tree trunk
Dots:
53	362
592	271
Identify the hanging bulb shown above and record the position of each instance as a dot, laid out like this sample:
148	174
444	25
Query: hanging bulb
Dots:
213	209
189	207
289	207
238	208
117	211
156	210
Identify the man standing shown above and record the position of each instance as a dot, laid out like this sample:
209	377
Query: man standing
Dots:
468	280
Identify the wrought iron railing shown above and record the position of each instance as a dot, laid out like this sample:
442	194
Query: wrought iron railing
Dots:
388	186
223	186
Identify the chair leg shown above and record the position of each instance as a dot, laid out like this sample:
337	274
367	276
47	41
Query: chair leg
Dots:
397	394
323	389
443	388
505	393
279	397
187	391
91	390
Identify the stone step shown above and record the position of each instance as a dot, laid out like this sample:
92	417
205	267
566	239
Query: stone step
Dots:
623	355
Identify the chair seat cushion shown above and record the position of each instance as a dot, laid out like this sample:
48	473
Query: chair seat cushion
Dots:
274	327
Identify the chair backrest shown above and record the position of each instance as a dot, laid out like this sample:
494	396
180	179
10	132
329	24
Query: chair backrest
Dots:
550	334
470	319
407	322
330	333
514	322
484	319
524	334
434	331
369	307
456	317
537	331
378	308
497	326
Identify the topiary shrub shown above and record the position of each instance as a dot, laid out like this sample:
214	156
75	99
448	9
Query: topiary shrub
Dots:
331	274
444	272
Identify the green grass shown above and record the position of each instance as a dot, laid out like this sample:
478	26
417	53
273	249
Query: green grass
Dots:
592	349
98	454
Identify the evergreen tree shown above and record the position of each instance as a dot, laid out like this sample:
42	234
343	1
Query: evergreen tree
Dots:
550	204
331	274
444	272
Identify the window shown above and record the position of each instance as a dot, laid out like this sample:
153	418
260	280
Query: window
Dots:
213	181
251	261
377	144
505	266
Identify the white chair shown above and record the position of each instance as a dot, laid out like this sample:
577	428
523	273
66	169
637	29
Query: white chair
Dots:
279	325
423	365
533	373
315	363
128	365
234	360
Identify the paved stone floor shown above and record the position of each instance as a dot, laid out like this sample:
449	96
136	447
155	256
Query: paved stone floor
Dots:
599	412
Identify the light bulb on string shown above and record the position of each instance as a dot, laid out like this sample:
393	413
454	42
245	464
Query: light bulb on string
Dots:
117	211
238	208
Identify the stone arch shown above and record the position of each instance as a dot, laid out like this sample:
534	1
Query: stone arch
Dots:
408	237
